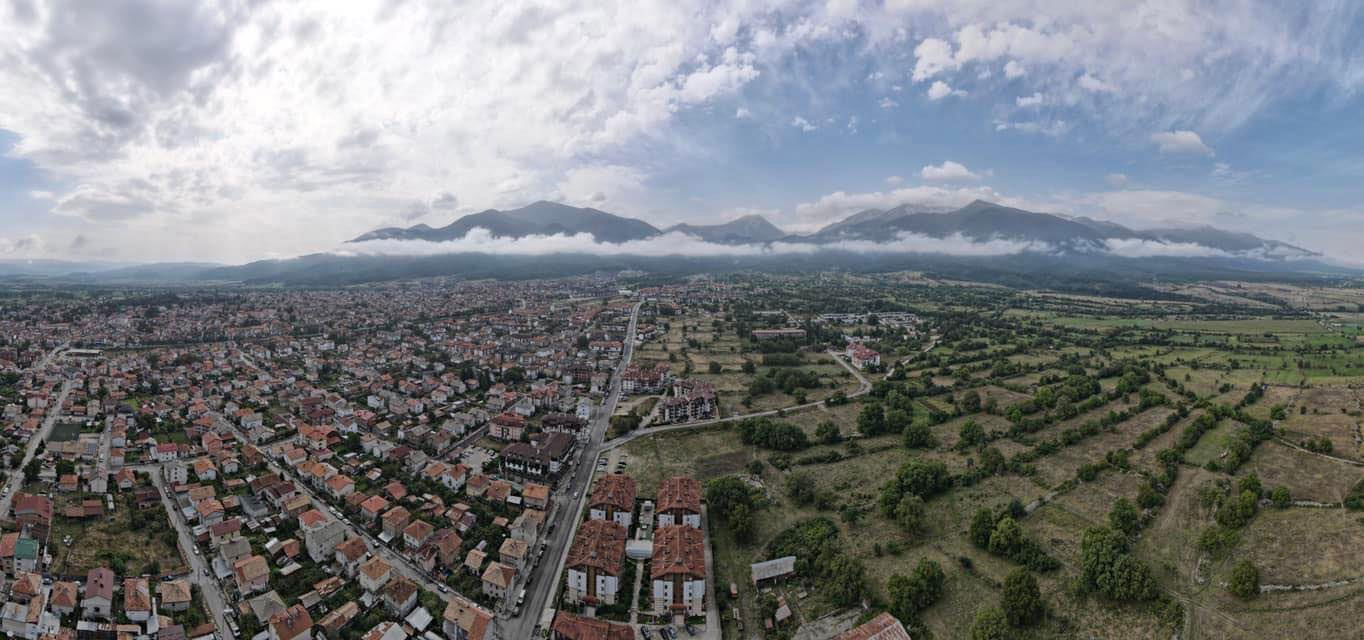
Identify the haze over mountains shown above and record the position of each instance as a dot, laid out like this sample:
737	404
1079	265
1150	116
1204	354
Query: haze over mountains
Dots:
977	222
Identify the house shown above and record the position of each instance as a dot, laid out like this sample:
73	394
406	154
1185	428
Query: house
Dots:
535	495
25	555
772	570
374	574
543	458
223	531
321	534
455	477
789	333
613	499
473	561
691	400
68	482
447	544
332	623
137	599
882	627
400	596
233	549
34	512
678	571
26	587
98	601
679	502
339	486
175	595
416	534
385	631
349	554
65	597
568	626
527	526
514	552
595	561
861	356
372	507
507	427
395	520
293	623
498	579
464	620
252	574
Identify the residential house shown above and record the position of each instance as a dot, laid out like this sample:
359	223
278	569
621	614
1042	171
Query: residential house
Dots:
882	627
514	553
613	499
679	502
65	597
595	562
400	596
498	579
321	534
98	601
252	574
678	571
464	620
569	626
294	623
175	595
137	599
374	574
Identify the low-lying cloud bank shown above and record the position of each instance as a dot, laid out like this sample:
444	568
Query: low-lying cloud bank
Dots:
676	243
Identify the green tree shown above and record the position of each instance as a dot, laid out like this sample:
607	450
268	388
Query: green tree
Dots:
971	434
1245	580
741	523
748	367
1006	537
1022	600
970	401
800	487
828	433
1108	569
871	421
918	436
714	367
909	514
1124	517
911	595
991	624
1281	497
982	525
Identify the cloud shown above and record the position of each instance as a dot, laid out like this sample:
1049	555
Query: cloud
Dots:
887	103
1033	100
1014	70
947	171
1090	83
1116	180
679	244
803	124
940	90
103	202
445	201
1181	142
27	245
810	216
894	181
1139	248
743	114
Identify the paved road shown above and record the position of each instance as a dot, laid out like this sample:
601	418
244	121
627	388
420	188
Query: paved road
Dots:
570	499
16	479
201	571
863	387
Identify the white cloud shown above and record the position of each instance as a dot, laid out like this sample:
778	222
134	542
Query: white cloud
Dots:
1090	83
1033	100
680	244
803	124
931	57
1116	180
1014	70
1181	142
1138	248
30	245
810	216
38	194
894	181
887	103
939	90
948	171
742	113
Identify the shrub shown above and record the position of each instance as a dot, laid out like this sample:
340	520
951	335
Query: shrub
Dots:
990	624
1245	580
1021	600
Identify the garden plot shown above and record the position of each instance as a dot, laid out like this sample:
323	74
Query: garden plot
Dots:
1308	476
1304	546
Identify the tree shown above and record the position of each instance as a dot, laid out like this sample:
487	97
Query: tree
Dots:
991	624
918	436
801	488
1021	600
992	461
31	470
828	433
911	595
1006	537
982	525
1245	580
748	367
1108	569
971	434
909	514
871	421
1281	497
844	581
1124	517
970	401
741	523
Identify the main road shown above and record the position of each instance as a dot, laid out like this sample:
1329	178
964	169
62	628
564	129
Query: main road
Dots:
201	573
570	498
16	479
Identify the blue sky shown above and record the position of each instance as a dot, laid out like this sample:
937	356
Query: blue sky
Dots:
231	131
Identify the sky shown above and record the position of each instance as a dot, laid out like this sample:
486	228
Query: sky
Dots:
238	130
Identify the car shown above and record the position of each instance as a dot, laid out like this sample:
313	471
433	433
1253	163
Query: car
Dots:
691	631
645	631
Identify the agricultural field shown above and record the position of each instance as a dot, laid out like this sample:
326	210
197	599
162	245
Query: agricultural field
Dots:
1203	433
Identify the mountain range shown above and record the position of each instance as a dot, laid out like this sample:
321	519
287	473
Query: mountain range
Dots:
978	221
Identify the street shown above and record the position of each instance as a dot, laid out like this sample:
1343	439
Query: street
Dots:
200	572
544	583
16	479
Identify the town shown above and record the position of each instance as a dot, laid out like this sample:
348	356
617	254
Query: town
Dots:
622	456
